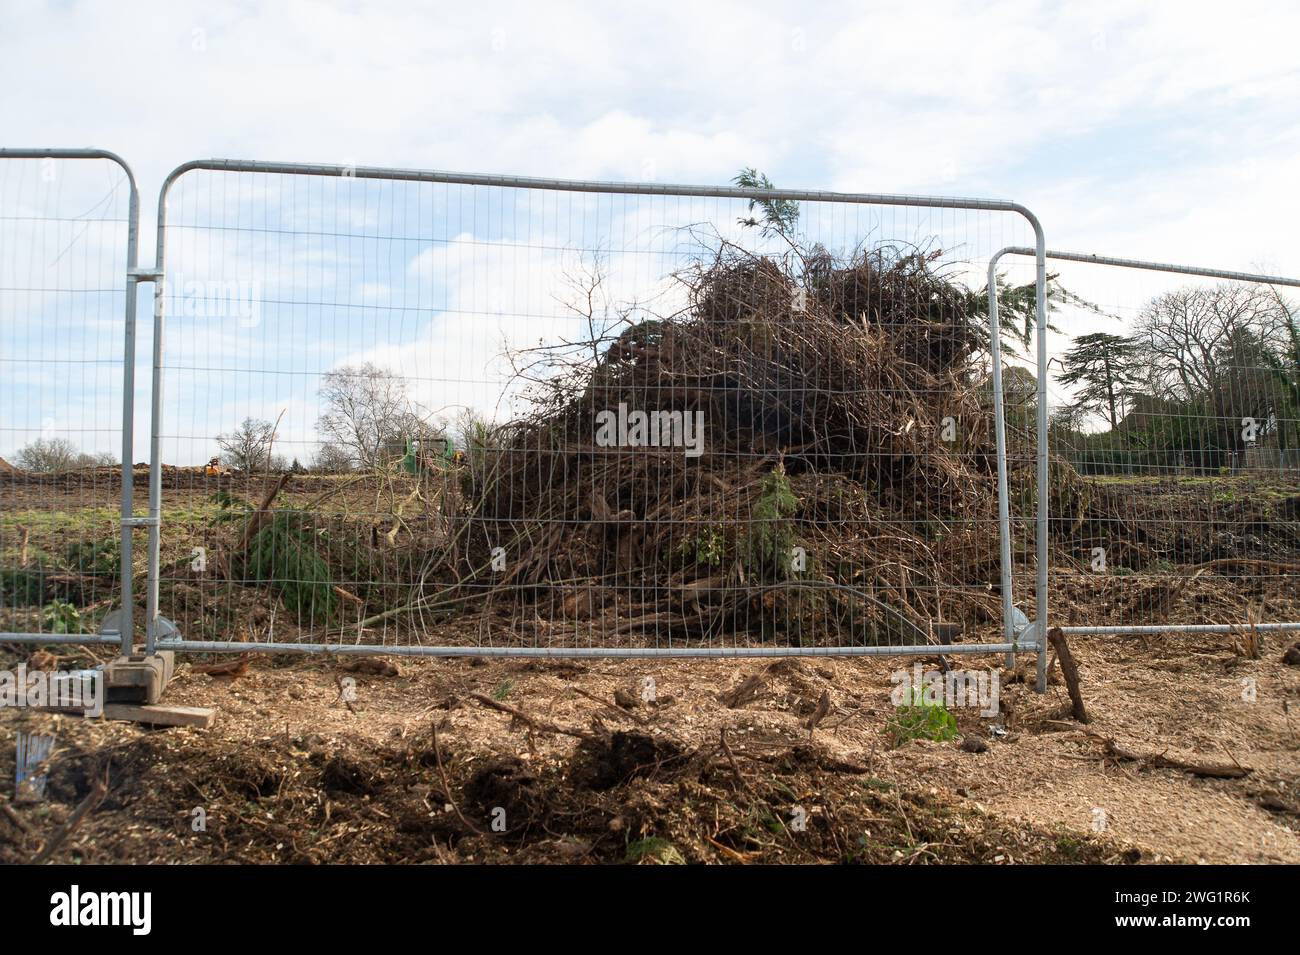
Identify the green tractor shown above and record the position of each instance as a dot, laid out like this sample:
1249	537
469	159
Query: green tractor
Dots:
426	454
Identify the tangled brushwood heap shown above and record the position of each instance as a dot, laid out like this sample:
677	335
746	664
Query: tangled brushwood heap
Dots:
826	476
826	501
836	485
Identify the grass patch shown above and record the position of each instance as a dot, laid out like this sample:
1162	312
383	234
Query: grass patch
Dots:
37	520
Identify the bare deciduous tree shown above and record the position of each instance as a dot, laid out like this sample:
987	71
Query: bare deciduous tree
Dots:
49	456
1187	334
248	447
1208	345
368	413
331	459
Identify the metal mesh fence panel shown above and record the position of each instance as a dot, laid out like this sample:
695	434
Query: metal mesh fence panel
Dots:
1175	440
438	413
66	233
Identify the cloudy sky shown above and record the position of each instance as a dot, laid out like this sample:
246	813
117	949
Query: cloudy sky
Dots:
1168	131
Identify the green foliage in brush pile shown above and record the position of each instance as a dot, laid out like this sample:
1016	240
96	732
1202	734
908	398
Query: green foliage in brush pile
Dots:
770	536
283	555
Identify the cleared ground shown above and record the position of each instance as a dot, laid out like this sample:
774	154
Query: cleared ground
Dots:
295	772
316	760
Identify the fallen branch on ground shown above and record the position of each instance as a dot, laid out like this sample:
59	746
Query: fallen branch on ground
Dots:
232	668
532	722
1161	761
741	693
60	835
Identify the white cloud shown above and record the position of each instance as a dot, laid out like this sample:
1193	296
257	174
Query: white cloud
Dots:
1166	131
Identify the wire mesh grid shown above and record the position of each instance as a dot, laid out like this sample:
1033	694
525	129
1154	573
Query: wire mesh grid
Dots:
498	418
64	225
1175	440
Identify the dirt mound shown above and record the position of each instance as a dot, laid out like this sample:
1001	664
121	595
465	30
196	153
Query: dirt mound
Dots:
292	773
506	792
605	763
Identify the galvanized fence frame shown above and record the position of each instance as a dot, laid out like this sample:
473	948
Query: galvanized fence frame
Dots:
118	627
162	633
1042	374
1020	634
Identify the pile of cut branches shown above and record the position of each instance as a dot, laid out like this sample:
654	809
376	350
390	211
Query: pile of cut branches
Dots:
841	484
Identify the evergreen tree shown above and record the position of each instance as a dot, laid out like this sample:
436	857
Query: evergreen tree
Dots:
1105	366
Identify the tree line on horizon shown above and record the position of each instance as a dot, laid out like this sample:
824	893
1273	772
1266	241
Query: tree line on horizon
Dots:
1206	373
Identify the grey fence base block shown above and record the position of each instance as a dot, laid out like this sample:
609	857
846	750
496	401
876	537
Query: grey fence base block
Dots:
376	650
1137	630
75	639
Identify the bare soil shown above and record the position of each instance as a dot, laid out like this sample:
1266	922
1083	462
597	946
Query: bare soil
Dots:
305	766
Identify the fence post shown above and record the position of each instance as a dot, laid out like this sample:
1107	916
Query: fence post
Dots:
153	621
128	424
1000	432
1044	476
